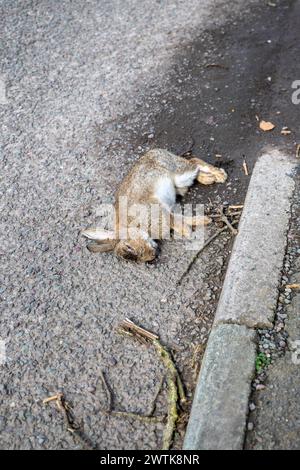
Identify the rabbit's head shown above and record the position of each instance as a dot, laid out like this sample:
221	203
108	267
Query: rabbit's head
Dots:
139	249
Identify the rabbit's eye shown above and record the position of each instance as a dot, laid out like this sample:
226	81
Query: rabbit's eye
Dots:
130	253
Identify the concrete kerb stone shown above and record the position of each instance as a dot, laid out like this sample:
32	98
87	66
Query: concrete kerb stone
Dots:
218	416
248	301
249	294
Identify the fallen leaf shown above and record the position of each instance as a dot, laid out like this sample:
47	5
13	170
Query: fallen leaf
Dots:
266	126
285	131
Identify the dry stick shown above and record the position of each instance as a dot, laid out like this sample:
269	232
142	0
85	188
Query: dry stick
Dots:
298	151
245	168
153	405
127	414
224	219
195	257
145	418
175	390
238	206
174	384
235	214
107	391
128	325
71	425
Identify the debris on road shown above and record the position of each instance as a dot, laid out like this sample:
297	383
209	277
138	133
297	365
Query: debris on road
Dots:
220	216
245	168
285	131
175	387
266	126
149	417
71	424
298	151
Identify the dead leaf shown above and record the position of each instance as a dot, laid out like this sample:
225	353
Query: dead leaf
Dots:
285	131
266	126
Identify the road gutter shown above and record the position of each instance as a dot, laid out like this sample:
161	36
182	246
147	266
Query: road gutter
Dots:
248	301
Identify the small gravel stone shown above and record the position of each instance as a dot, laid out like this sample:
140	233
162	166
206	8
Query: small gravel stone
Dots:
260	387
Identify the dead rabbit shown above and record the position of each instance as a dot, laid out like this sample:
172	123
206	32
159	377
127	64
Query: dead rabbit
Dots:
155	179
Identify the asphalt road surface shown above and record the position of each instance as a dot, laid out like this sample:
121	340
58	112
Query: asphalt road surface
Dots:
88	87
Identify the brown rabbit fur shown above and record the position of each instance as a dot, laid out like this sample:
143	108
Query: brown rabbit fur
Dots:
155	179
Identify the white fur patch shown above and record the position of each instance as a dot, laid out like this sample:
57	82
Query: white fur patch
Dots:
186	179
205	169
98	234
165	192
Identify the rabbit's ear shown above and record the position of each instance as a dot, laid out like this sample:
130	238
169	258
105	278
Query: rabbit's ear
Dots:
94	247
98	234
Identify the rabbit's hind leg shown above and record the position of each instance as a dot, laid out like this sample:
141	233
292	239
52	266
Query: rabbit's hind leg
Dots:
185	179
194	221
208	173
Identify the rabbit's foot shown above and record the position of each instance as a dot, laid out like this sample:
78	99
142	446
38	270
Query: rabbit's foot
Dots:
197	220
209	174
182	229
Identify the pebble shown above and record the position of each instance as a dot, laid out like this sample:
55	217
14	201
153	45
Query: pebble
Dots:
41	439
2	423
112	360
250	426
260	387
43	246
252	406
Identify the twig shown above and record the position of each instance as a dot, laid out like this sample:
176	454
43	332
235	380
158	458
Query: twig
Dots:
70	423
153	405
145	418
245	168
107	391
292	286
52	398
223	218
128	326
229	225
298	151
235	214
196	256
190	148
127	414
174	384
